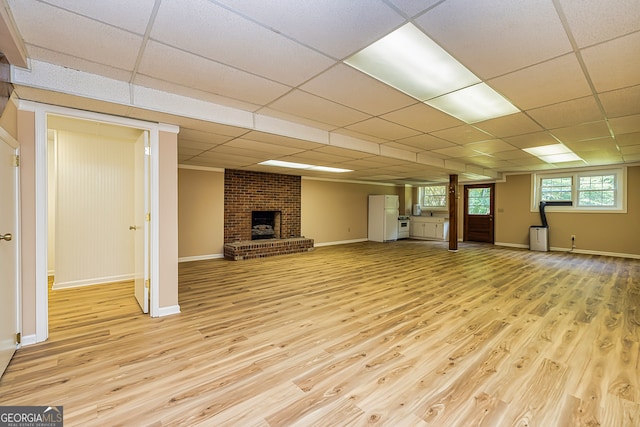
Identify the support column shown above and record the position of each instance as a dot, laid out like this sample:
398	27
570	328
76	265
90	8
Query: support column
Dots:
453	212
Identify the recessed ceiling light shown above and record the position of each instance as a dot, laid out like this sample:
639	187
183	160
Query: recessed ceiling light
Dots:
411	62
292	165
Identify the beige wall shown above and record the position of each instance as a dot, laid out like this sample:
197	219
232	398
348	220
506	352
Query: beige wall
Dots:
337	211
200	213
617	233
168	220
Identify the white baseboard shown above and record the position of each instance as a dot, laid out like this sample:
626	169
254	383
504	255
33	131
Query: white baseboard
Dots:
94	281
200	257
512	245
28	340
168	311
575	251
339	242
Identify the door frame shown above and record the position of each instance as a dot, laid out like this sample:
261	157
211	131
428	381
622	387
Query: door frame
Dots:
6	138
41	112
491	208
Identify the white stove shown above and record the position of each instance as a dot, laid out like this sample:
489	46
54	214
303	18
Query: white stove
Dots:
403	227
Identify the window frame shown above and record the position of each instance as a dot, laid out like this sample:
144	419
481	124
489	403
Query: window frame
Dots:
434	208
575	175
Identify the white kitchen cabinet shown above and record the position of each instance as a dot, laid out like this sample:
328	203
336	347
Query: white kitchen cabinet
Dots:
429	227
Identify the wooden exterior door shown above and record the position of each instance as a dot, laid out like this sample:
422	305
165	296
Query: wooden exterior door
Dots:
479	200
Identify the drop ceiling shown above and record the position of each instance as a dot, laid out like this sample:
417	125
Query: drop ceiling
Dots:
248	81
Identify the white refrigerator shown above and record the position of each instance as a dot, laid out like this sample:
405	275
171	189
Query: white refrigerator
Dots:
383	218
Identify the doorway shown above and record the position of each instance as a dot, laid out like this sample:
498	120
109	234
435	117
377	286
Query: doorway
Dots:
9	295
479	201
97	203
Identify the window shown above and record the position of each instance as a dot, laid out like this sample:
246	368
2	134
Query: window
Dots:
593	190
556	189
434	197
597	190
479	201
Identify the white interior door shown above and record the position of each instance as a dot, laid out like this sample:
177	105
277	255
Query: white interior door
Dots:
141	224
8	254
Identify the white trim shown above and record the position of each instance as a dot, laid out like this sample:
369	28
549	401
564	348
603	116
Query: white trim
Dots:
200	257
576	251
168	311
154	224
41	184
512	245
41	111
200	168
28	340
94	281
619	171
339	242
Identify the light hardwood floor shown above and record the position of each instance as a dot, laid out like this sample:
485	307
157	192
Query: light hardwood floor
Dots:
394	334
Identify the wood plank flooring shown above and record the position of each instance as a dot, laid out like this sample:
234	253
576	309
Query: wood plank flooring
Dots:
367	334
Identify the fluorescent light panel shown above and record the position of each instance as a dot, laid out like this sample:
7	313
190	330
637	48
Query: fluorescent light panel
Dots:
292	165
411	62
554	153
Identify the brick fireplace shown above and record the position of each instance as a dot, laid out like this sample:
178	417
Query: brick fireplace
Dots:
246	193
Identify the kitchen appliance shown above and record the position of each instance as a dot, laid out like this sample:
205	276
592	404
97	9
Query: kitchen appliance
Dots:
403	227
383	217
417	210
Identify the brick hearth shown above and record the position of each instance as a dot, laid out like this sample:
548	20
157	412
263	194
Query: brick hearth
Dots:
264	248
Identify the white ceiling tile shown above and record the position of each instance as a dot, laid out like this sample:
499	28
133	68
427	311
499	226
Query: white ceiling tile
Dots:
600	144
90	40
628	139
336	27
135	19
621	102
568	113
511	125
556	80
630	149
262	147
306	105
413	7
76	63
462	134
627	124
382	128
494	37
422	117
221	35
491	146
594	21
582	132
352	88
195	72
425	142
614	64
535	139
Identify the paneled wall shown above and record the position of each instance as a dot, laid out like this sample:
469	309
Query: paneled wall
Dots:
93	202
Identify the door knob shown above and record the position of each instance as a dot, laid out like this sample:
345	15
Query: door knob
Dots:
133	227
6	237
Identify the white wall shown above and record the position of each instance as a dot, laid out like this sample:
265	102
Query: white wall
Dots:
94	191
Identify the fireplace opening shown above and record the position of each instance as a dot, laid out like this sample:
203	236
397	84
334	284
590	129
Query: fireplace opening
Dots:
265	225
